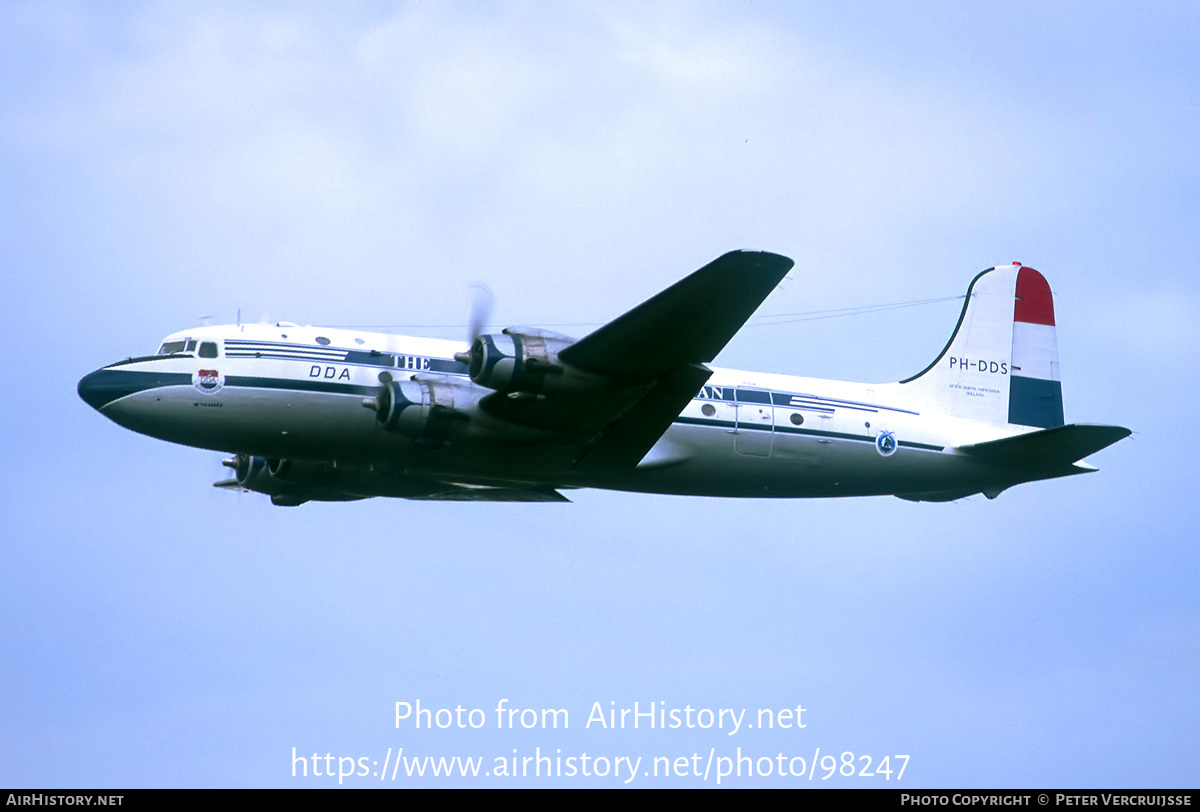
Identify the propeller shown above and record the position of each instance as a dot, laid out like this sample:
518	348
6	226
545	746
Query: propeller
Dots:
229	466
482	302
226	474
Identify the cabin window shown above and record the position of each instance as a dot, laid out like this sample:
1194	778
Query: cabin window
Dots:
208	349
172	347
323	341
797	418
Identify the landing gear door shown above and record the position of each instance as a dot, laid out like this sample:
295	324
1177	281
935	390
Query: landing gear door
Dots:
755	422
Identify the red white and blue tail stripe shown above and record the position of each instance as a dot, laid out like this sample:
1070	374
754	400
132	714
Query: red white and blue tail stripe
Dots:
1035	390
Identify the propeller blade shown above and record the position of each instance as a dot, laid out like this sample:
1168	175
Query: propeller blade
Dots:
482	302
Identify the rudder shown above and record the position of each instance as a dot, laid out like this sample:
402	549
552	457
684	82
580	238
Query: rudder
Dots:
1035	389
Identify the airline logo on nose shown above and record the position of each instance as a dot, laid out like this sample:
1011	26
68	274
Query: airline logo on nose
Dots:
208	381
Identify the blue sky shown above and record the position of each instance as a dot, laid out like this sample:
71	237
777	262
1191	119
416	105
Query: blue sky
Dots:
363	163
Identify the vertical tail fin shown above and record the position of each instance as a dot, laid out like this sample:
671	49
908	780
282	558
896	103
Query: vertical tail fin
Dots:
1001	363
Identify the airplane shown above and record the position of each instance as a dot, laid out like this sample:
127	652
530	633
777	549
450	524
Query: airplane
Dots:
524	414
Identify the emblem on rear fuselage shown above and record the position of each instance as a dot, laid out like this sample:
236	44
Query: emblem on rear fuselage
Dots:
885	443
208	381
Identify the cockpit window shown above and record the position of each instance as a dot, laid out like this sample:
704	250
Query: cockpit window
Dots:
208	350
171	347
191	345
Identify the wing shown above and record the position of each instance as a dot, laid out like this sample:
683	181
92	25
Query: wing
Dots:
480	493
655	356
688	323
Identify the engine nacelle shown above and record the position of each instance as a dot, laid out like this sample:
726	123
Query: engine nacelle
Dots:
255	474
424	410
402	406
524	362
289	482
301	474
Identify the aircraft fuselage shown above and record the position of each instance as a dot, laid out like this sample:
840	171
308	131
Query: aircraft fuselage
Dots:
517	415
297	393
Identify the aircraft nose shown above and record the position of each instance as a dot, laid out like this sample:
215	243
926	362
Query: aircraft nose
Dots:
97	388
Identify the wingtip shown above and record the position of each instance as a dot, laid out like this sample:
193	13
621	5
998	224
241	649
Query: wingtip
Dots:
766	255
1114	433
751	260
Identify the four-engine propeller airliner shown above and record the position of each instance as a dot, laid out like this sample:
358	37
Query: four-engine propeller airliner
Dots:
523	414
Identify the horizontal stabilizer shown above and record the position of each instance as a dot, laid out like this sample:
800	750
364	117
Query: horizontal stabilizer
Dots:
1062	445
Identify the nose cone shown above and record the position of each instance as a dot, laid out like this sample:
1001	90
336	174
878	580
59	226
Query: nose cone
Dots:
102	387
92	389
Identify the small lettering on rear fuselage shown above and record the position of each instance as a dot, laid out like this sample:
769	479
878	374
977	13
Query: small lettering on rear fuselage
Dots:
329	373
